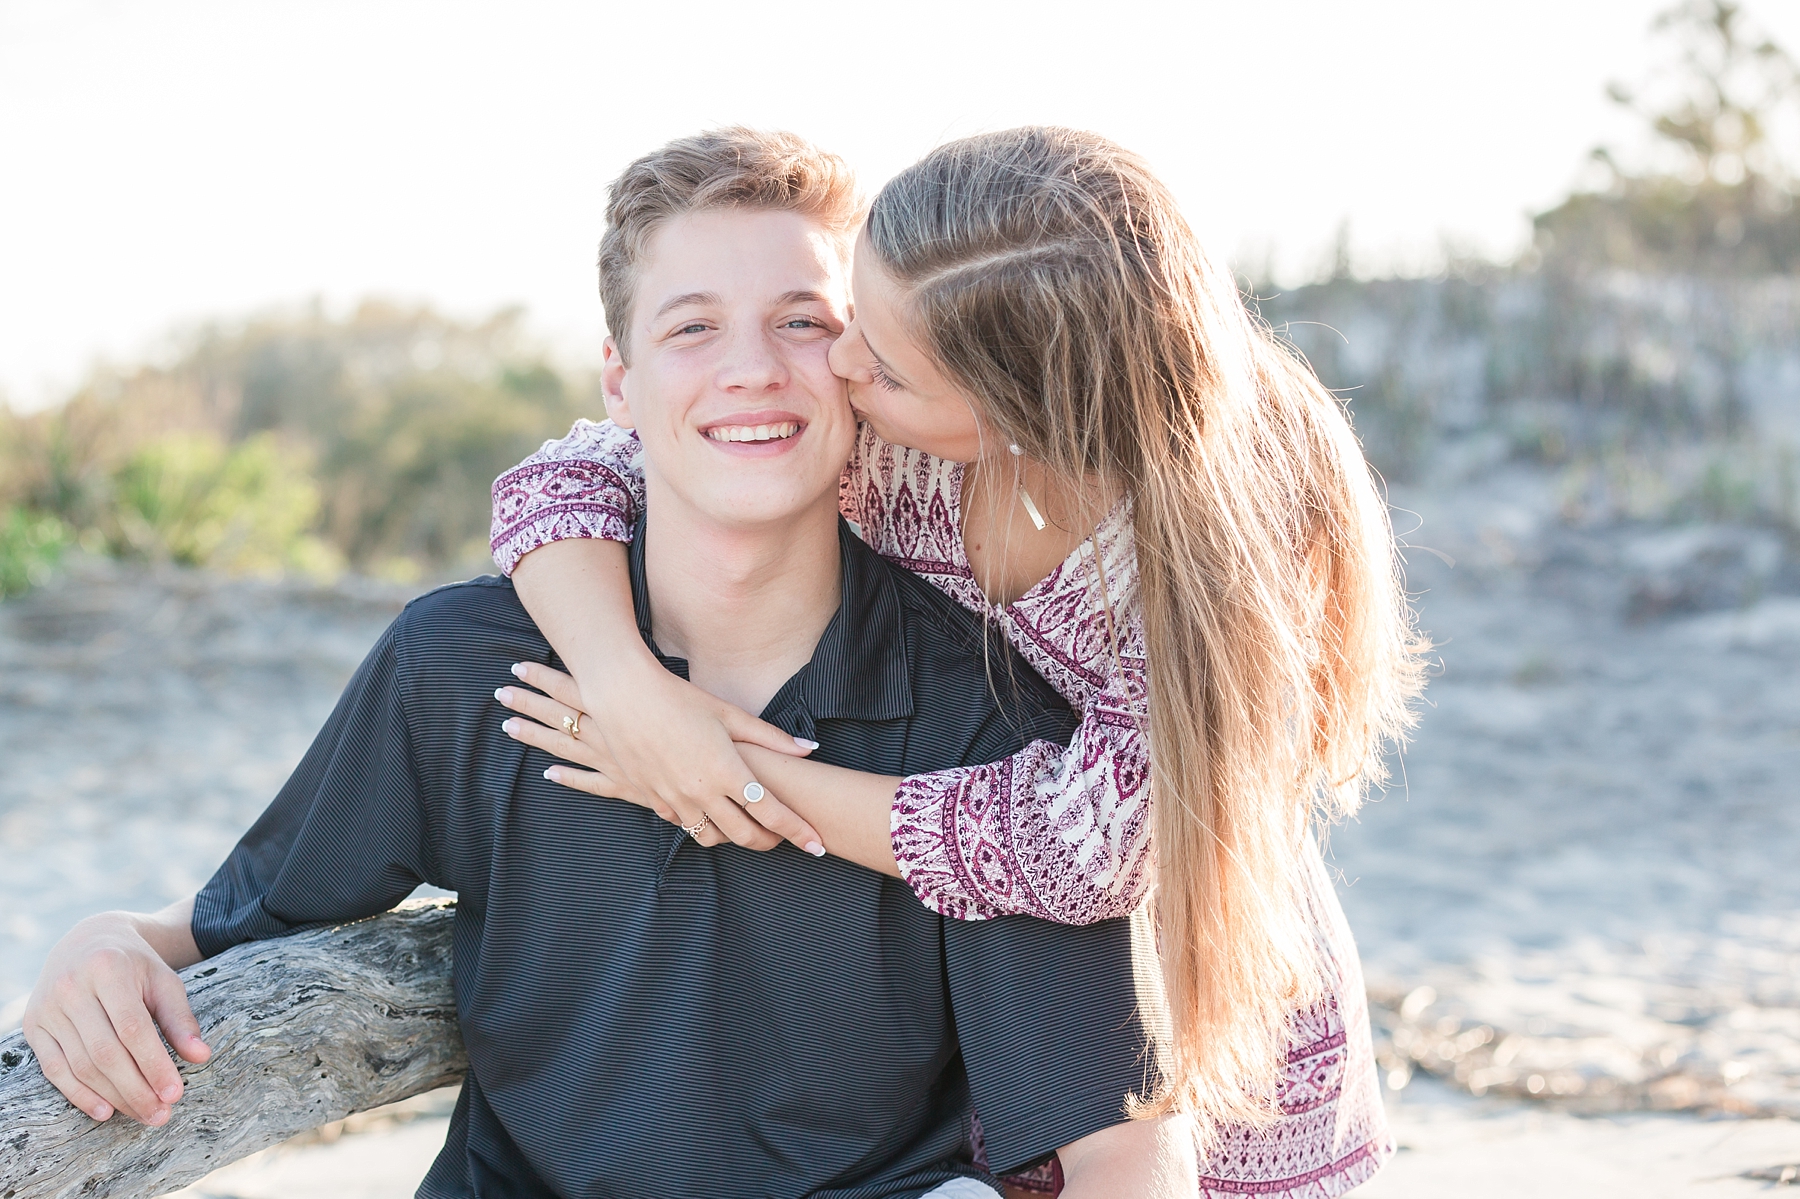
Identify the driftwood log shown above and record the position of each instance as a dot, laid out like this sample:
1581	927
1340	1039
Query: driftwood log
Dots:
304	1030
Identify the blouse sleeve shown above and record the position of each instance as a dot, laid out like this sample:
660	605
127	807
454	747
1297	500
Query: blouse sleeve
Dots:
1058	833
588	484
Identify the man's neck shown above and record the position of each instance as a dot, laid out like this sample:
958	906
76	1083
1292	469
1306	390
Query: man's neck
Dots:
745	605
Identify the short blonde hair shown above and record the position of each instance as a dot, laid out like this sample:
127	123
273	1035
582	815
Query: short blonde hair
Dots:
734	167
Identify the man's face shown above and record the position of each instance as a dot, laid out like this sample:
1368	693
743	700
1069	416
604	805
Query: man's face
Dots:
729	388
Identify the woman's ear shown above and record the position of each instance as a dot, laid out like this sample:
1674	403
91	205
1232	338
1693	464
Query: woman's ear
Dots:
612	383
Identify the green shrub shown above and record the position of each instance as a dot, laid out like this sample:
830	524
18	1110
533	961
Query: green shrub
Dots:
295	442
30	545
191	499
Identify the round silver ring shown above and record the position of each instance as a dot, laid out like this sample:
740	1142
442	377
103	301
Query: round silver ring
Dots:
699	826
753	792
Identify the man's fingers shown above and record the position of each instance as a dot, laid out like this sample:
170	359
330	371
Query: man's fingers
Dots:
56	1068
786	825
744	727
169	1005
104	1064
127	1008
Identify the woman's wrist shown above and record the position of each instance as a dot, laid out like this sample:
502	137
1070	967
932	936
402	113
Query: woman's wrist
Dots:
604	670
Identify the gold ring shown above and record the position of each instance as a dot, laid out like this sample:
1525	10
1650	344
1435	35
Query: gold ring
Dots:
699	826
572	725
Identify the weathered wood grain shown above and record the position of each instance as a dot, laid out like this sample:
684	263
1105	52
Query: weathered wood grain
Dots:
304	1030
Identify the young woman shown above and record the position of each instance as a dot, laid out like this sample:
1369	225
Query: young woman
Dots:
1074	427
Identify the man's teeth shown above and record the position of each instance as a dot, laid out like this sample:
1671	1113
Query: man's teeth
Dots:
754	432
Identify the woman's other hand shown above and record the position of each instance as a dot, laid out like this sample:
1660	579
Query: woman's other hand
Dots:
671	751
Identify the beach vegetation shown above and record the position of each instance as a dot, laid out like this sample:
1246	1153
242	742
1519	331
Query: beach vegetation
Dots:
292	443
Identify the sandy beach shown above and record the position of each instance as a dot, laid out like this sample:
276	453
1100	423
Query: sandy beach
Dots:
1576	903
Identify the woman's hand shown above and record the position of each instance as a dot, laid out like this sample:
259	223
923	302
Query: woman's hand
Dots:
684	715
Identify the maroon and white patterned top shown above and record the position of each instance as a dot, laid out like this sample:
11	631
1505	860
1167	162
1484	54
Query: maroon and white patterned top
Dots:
1054	832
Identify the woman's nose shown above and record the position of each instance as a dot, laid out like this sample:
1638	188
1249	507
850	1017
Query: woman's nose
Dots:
839	358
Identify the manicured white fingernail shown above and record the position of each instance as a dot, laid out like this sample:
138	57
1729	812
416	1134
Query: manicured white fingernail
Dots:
550	774
815	849
518	669
504	695
805	744
510	726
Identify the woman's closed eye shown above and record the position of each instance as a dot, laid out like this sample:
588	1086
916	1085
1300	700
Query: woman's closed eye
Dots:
881	380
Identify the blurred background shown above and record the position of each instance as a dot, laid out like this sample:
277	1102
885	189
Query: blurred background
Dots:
283	286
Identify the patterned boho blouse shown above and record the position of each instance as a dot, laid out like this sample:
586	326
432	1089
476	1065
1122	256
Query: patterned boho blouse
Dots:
1054	832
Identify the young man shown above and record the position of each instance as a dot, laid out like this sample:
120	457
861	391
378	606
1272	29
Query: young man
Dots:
647	1014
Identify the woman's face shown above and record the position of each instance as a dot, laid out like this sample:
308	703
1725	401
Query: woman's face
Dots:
894	385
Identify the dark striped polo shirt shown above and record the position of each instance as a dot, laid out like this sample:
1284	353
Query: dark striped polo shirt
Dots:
649	1017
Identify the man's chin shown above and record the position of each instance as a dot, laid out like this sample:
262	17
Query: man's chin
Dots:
763	513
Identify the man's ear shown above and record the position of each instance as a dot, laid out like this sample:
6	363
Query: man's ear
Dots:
612	383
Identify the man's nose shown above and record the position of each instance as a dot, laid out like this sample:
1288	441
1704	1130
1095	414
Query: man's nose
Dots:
753	362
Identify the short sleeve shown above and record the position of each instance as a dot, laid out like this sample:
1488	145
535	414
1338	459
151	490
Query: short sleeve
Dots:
1047	1017
344	838
588	484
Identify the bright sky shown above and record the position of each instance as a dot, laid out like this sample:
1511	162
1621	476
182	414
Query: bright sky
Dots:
166	161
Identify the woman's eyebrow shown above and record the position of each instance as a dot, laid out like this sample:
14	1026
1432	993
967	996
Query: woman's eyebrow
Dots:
880	361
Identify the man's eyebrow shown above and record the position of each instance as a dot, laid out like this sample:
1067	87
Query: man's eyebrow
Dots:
691	297
805	297
880	361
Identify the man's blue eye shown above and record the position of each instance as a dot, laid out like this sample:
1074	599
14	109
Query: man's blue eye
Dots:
803	322
691	329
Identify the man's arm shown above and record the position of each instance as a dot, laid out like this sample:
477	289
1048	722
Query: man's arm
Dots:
342	840
106	990
1139	1159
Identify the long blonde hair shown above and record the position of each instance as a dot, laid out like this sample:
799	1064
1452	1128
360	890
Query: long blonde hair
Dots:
1051	275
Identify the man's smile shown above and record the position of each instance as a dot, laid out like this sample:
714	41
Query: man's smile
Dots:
758	433
772	432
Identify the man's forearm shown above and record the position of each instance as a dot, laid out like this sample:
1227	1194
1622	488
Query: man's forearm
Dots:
170	932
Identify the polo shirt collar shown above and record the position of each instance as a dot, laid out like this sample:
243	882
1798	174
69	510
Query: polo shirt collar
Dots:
858	670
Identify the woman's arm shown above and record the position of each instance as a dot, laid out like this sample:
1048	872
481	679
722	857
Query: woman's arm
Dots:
560	518
1142	1159
1053	832
1058	833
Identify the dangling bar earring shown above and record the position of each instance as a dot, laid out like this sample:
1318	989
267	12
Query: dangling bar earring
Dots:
1031	509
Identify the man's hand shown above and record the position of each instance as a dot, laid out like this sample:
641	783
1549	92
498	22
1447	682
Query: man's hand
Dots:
93	1019
1139	1159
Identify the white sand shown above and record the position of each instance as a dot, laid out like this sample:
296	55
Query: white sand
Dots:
1450	1146
1591	849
